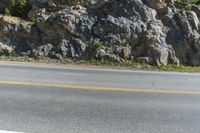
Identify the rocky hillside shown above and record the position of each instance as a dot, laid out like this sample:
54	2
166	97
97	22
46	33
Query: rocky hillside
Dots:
156	31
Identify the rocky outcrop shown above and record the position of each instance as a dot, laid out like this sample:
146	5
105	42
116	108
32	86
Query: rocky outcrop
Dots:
116	30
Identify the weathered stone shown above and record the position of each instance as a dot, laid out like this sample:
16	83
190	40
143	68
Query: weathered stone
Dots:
6	49
38	15
196	9
73	49
154	31
193	19
55	3
43	50
170	1
156	4
183	22
148	60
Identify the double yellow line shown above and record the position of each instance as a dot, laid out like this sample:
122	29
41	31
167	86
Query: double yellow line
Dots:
100	88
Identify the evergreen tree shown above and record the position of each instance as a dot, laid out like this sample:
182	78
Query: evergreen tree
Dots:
17	8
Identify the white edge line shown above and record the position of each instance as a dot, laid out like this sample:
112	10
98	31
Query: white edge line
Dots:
96	69
6	131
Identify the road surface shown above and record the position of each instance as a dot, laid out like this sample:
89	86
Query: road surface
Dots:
44	99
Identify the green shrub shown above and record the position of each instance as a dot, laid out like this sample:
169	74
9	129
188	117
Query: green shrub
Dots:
18	8
98	45
187	4
189	1
7	11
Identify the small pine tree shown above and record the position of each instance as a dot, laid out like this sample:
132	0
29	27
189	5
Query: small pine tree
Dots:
198	2
7	11
18	8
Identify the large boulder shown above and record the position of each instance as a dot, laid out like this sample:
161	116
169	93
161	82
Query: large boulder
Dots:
193	19
63	3
184	36
196	9
68	22
22	34
6	49
156	4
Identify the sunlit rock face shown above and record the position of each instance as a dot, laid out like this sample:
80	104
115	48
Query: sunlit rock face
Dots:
154	31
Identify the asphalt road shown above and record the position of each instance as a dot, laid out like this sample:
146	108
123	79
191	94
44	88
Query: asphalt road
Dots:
40	99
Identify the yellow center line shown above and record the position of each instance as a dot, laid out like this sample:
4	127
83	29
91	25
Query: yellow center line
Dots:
169	91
